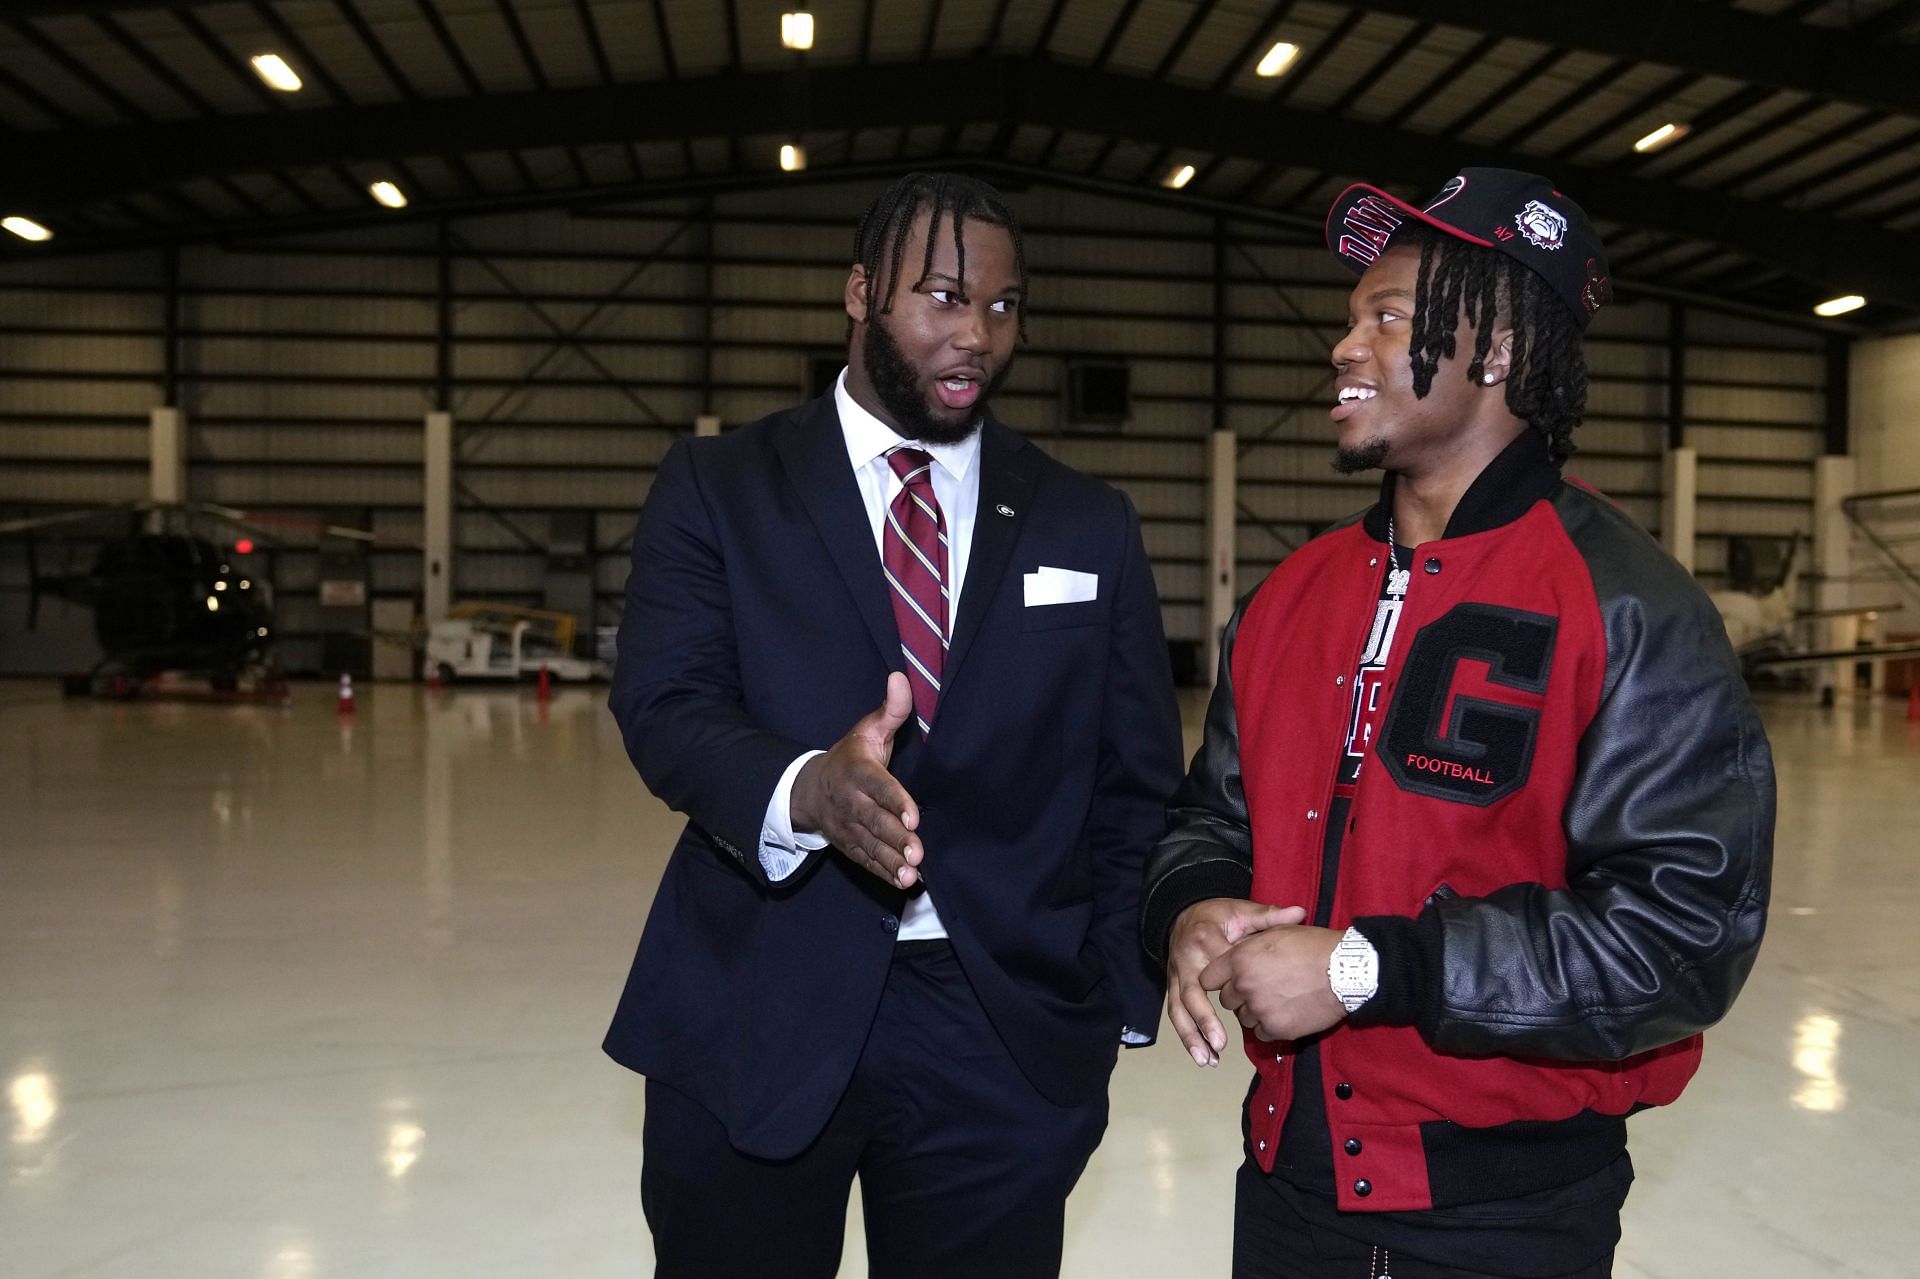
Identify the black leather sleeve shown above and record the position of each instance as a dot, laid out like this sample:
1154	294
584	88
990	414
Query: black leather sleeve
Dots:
1208	848
1670	834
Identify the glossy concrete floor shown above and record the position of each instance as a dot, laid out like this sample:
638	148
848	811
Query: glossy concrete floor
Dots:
290	999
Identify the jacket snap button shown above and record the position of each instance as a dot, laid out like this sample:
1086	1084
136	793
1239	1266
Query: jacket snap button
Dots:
1269	1110
1343	1091
1433	565
1263	1145
1313	814
890	923
1339	681
1353	1145
1363	1187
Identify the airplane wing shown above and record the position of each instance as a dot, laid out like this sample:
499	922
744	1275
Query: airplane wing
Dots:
1814	614
1866	653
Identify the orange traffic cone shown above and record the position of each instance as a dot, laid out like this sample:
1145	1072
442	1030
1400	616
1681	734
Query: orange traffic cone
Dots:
545	692
345	705
1913	703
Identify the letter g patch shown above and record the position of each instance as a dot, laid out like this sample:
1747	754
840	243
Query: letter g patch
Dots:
1453	736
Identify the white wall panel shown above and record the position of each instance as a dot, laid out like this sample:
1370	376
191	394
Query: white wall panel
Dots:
1734	442
1737	516
1733	479
305	374
1745	404
1800	370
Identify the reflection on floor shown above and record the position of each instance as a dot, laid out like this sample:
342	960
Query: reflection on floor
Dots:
291	997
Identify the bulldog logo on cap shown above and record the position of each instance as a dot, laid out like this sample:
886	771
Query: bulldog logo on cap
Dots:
1514	214
1545	226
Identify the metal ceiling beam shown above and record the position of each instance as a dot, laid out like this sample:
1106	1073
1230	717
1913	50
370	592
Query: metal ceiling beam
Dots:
1891	21
75	167
606	202
1826	61
1858	64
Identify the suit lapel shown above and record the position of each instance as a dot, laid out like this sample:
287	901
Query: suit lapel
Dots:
1006	488
815	455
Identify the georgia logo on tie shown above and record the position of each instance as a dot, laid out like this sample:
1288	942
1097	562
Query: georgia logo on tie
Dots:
1545	226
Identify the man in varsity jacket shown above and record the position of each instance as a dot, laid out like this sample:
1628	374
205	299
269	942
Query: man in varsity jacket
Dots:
1479	837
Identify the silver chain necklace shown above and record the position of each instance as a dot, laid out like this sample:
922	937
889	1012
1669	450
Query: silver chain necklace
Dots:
1398	579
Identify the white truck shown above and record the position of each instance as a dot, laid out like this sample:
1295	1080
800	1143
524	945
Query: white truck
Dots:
483	646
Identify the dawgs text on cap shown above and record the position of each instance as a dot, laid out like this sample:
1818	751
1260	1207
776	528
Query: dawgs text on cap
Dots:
1518	214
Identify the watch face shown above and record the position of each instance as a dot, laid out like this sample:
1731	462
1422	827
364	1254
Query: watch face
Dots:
1355	972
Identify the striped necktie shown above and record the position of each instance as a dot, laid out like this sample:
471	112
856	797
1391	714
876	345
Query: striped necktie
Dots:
915	557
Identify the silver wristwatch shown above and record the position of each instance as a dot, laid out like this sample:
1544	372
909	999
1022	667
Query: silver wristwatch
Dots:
1354	970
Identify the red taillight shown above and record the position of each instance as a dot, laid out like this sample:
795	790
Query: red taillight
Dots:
244	546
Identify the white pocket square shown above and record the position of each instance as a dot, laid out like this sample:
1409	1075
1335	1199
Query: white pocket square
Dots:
1061	586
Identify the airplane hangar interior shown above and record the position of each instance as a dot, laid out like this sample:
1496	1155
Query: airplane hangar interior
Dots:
341	342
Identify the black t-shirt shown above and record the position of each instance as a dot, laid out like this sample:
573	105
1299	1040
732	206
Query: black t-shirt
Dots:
1305	1157
1566	1227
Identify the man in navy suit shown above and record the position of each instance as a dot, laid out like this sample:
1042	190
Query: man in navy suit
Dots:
897	942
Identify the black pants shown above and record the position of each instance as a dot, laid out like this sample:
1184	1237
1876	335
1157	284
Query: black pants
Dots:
1283	1232
964	1169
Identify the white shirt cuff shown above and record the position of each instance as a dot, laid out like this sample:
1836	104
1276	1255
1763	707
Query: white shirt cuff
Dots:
784	850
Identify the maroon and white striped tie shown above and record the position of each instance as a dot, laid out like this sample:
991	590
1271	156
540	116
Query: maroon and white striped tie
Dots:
915	557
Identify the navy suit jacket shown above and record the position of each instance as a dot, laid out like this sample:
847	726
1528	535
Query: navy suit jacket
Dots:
758	626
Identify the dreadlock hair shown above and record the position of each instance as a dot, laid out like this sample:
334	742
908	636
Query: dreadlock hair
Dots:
955	199
1546	385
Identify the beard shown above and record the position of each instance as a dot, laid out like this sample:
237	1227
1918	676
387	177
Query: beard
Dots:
896	382
1367	455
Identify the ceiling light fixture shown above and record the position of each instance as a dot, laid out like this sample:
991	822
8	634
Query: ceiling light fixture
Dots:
796	30
1278	59
273	68
1180	176
388	194
27	229
1664	136
793	157
1839	306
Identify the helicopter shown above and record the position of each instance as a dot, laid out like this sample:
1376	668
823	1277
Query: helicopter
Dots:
168	599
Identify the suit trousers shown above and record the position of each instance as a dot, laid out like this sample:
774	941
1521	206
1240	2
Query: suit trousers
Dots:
964	1168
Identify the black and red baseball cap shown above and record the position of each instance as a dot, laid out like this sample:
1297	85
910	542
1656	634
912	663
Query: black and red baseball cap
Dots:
1517	214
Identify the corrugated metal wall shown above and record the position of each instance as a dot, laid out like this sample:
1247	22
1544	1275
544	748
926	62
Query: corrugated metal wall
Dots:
583	345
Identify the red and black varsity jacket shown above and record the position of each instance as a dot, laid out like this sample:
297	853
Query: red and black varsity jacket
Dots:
1560	844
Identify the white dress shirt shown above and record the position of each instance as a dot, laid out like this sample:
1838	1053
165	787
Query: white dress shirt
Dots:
956	484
